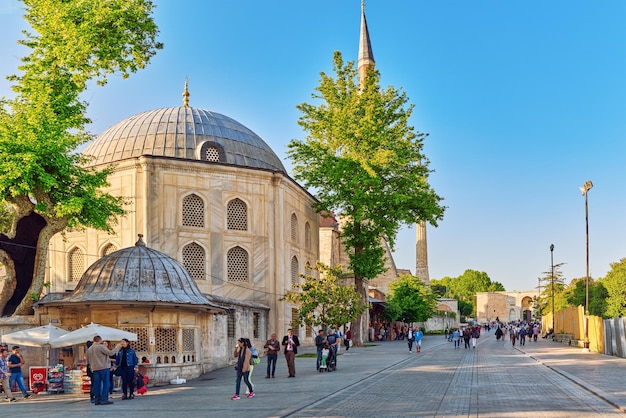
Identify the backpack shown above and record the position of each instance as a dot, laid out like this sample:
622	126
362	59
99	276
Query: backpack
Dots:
254	358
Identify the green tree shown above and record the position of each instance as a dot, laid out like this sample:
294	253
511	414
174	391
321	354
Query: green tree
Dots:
615	284
365	163
410	300
47	184
553	290
576	295
465	287
439	290
466	308
324	301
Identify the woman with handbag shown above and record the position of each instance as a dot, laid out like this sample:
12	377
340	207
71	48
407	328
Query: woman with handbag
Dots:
127	365
243	356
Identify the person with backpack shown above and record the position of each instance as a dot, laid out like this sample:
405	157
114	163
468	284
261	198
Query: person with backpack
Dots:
254	360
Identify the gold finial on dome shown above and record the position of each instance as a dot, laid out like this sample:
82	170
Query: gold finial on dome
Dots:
186	93
362	6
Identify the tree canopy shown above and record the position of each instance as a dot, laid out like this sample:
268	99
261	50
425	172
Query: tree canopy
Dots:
615	284
365	163
324	301
45	185
465	287
410	300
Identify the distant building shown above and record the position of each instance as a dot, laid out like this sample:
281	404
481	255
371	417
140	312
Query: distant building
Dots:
515	305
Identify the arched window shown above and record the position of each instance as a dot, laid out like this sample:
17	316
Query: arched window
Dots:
76	264
308	270
237	215
295	269
237	265
193	211
108	249
194	261
307	236
294	227
213	152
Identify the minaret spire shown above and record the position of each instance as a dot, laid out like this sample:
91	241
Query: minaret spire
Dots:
421	253
366	56
186	93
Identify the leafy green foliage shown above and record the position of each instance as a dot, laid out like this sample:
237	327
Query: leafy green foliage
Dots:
410	300
553	286
466	308
615	284
73	42
324	301
364	162
575	294
465	287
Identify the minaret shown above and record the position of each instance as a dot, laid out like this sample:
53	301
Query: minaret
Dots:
366	56
421	253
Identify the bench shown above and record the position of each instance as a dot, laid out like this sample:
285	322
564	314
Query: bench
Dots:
563	338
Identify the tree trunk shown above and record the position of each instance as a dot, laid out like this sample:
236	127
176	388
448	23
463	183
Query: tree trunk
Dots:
39	264
22	250
9	282
360	324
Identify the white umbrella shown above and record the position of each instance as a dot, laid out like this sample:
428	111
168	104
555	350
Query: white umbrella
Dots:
86	333
36	337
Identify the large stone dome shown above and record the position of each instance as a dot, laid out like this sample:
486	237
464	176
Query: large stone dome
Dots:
183	132
138	275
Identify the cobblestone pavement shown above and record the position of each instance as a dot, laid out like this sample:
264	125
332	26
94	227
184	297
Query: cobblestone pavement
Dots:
542	379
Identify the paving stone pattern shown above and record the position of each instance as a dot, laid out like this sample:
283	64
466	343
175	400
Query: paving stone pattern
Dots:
543	379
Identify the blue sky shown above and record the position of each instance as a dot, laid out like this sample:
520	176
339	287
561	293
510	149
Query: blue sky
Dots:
523	101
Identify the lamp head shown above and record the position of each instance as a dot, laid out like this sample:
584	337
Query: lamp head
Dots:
551	247
586	187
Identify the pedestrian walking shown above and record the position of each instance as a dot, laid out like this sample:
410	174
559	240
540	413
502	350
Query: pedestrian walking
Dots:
348	339
418	340
273	347
410	338
5	374
243	356
466	337
16	361
474	333
456	337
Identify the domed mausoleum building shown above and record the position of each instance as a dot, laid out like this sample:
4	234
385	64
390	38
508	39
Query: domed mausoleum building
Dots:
210	193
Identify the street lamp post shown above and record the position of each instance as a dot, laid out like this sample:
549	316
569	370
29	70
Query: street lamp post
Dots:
585	189
552	283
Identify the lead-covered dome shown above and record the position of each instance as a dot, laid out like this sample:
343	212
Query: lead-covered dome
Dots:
183	132
141	275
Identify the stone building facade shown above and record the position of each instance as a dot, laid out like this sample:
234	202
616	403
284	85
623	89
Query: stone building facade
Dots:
515	305
208	192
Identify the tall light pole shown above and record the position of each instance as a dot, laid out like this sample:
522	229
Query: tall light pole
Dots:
585	189
552	283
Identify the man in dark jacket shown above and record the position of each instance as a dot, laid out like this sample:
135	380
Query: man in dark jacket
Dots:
291	344
319	344
273	348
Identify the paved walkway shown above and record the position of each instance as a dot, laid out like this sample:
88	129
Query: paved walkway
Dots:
543	379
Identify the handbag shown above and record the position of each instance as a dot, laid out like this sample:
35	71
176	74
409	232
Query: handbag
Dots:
117	371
